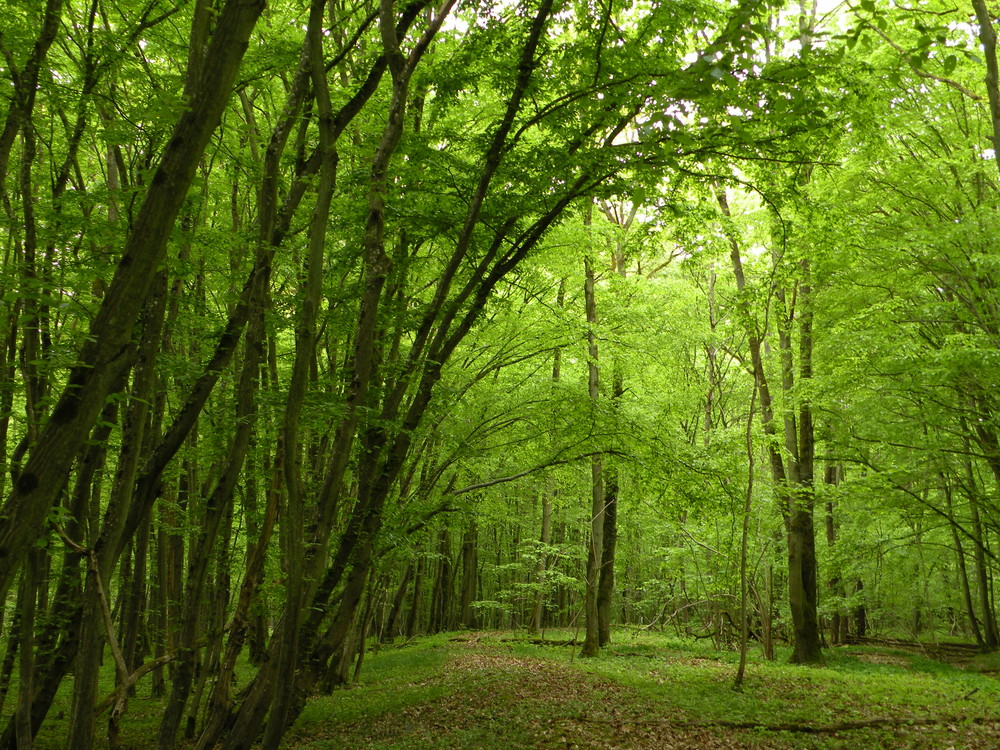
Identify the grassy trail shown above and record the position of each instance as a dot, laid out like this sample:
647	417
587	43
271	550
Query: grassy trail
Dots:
647	691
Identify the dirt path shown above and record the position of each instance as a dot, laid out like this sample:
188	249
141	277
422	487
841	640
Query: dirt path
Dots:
515	702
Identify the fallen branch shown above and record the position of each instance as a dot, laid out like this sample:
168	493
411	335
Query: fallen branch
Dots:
843	726
541	641
130	682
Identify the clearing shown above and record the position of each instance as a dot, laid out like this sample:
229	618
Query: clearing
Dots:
494	690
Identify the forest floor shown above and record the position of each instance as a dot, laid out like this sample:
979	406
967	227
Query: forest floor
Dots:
495	690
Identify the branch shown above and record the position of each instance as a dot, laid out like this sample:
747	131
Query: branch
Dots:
120	667
532	470
923	73
116	698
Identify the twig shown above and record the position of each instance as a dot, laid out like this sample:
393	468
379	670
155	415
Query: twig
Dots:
116	652
923	73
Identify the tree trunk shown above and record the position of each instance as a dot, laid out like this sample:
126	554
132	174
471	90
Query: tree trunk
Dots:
470	573
595	545
392	620
305	350
860	612
991	637
963	572
416	605
606	585
795	483
802	578
837	619
538	613
441	595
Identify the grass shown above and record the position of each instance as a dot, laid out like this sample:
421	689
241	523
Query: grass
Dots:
646	690
392	679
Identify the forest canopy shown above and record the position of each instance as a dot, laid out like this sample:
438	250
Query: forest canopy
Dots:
323	323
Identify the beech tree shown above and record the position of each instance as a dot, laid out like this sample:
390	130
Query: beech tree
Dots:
324	323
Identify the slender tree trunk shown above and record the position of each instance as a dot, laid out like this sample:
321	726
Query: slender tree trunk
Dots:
441	595
991	637
470	573
595	545
962	568
744	543
27	609
305	338
606	584
547	496
794	480
538	612
392	620
837	619
416	605
860	612
802	577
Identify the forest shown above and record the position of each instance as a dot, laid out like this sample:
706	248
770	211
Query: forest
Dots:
330	326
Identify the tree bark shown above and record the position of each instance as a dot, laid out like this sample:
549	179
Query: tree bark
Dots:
991	636
392	620
441	594
416	603
838	618
470	573
547	496
595	545
963	572
802	577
